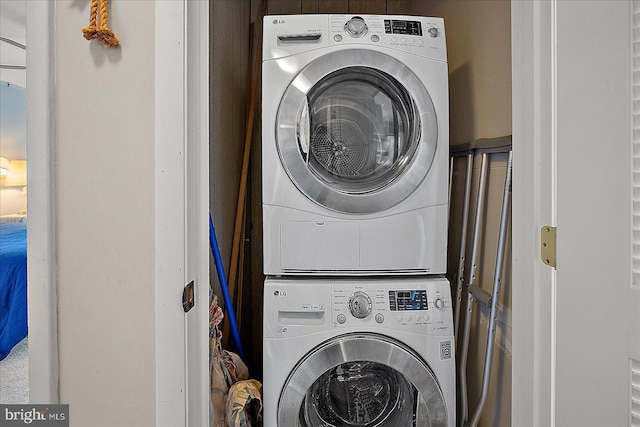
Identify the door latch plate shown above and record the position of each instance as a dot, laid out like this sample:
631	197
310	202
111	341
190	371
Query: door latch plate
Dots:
548	245
188	298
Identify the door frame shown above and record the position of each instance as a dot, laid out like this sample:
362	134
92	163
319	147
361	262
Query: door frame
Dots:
182	192
533	31
548	130
41	199
197	205
182	209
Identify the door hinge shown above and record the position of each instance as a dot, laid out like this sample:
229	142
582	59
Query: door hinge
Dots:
548	245
188	299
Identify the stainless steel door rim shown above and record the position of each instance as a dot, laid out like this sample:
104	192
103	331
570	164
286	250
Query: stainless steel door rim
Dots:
335	192
430	408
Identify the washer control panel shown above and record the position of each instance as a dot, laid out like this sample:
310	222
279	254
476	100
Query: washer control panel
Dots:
406	304
295	307
356	27
359	304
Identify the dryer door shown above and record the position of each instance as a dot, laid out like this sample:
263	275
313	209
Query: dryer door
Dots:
356	131
362	380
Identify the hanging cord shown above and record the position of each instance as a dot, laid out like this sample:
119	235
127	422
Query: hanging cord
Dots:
105	34
91	31
102	32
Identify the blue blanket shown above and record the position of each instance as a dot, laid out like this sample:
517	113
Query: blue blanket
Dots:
13	285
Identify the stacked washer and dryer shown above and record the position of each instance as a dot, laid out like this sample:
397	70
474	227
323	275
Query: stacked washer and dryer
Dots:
358	327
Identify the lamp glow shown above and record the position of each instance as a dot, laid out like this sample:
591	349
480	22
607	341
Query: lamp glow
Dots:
4	166
18	174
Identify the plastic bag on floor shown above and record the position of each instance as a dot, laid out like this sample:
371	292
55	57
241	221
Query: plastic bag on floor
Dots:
219	392
226	368
217	369
236	368
244	404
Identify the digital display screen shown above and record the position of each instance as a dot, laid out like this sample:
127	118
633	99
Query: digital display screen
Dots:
412	28
408	300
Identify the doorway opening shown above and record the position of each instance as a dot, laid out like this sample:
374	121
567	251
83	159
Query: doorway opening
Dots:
14	366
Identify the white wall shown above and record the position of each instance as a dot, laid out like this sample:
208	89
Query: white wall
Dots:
479	57
105	216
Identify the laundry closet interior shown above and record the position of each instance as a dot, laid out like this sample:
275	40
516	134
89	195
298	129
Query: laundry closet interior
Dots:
478	48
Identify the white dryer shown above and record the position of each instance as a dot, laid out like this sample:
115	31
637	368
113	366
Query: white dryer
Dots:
355	132
358	352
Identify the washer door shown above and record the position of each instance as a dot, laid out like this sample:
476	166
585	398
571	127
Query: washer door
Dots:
362	380
356	131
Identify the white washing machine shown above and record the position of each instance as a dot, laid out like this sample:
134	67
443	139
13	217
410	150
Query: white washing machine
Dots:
358	352
355	145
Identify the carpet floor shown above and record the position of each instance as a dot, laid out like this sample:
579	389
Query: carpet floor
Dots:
14	375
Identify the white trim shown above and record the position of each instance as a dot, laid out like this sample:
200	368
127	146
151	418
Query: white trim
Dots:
41	226
533	68
197	91
550	216
170	200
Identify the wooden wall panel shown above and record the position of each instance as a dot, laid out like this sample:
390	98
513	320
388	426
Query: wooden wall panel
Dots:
333	6
372	7
228	89
229	76
284	7
375	7
399	7
310	6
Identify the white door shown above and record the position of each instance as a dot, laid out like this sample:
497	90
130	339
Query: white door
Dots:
572	169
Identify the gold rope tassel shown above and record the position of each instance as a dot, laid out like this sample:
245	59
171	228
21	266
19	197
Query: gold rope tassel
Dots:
91	31
101	32
105	35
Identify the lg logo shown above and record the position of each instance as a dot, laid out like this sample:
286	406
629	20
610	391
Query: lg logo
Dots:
278	21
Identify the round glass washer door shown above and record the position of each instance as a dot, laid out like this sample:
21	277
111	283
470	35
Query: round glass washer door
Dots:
348	382
356	131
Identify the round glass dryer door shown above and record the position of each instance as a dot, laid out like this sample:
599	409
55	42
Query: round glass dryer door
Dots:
348	382
356	131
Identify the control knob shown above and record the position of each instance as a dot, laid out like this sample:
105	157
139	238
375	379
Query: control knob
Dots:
356	27
439	303
360	305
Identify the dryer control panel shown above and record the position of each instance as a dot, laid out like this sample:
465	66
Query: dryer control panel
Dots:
286	35
414	34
